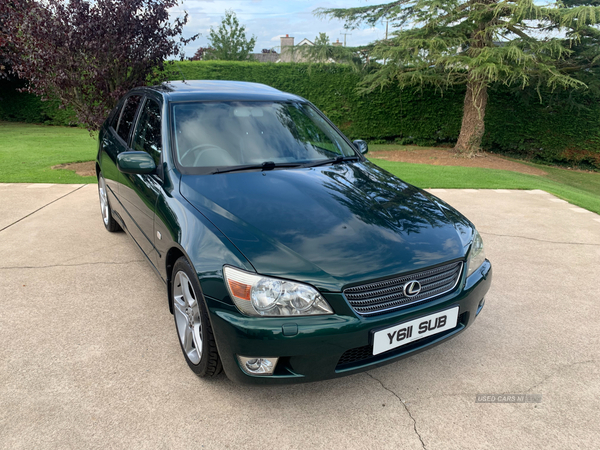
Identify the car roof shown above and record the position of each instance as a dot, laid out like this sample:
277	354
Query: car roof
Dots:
221	90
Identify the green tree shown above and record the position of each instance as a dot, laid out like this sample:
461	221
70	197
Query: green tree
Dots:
229	42
584	41
322	39
473	43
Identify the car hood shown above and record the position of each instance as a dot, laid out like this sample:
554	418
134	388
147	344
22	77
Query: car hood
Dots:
330	226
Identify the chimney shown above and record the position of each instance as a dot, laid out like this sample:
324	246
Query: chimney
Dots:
287	43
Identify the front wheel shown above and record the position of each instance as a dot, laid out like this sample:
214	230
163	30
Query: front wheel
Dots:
192	323
107	217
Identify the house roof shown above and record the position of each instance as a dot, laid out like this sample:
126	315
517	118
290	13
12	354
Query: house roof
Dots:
305	42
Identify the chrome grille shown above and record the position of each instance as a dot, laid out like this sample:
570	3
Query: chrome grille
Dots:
386	295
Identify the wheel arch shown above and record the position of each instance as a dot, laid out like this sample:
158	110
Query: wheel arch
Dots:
171	257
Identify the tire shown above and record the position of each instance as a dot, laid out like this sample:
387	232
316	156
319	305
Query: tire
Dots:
109	222
192	323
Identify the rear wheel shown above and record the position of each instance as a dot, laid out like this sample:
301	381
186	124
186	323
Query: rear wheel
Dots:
192	323
107	217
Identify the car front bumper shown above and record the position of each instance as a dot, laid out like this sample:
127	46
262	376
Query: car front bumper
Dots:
313	348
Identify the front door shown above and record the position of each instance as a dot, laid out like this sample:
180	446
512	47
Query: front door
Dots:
139	193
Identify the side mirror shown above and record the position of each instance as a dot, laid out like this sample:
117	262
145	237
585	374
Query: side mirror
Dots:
361	146
135	162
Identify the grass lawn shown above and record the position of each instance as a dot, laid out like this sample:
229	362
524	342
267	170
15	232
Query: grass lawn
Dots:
28	152
582	189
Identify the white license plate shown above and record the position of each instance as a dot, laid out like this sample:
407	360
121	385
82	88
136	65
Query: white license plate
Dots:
416	329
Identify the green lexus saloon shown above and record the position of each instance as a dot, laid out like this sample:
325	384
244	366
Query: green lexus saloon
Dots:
287	256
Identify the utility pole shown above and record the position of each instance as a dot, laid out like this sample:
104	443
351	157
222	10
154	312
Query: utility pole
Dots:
346	34
386	34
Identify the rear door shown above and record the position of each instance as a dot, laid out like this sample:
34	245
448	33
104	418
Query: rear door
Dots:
140	192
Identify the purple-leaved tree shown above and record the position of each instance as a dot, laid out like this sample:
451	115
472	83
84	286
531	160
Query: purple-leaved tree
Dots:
201	53
89	53
11	14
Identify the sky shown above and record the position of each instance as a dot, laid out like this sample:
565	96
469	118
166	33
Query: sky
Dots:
270	19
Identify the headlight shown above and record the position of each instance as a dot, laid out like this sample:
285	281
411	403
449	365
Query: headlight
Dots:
476	254
256	295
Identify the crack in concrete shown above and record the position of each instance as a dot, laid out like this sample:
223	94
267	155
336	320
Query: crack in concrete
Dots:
558	370
96	250
405	407
109	263
42	207
540	240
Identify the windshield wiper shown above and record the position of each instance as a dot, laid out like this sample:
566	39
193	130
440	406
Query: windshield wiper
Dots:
267	165
270	165
337	160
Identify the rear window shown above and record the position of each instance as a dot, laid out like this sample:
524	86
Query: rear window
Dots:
128	116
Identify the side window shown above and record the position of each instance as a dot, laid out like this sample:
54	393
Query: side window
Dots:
127	116
147	136
115	117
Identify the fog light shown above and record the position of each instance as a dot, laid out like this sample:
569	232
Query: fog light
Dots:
481	303
258	366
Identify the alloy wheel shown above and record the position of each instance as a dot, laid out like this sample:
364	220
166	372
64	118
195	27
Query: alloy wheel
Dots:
103	200
187	317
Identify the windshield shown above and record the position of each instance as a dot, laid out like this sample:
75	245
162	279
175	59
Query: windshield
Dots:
229	134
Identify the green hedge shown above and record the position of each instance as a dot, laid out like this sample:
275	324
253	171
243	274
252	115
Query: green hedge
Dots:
516	122
18	106
563	130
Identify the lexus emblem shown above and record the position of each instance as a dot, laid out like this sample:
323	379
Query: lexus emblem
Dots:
412	288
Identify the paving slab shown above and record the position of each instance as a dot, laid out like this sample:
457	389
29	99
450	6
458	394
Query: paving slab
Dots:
90	358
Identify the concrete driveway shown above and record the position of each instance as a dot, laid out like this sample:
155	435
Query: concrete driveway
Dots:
89	356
